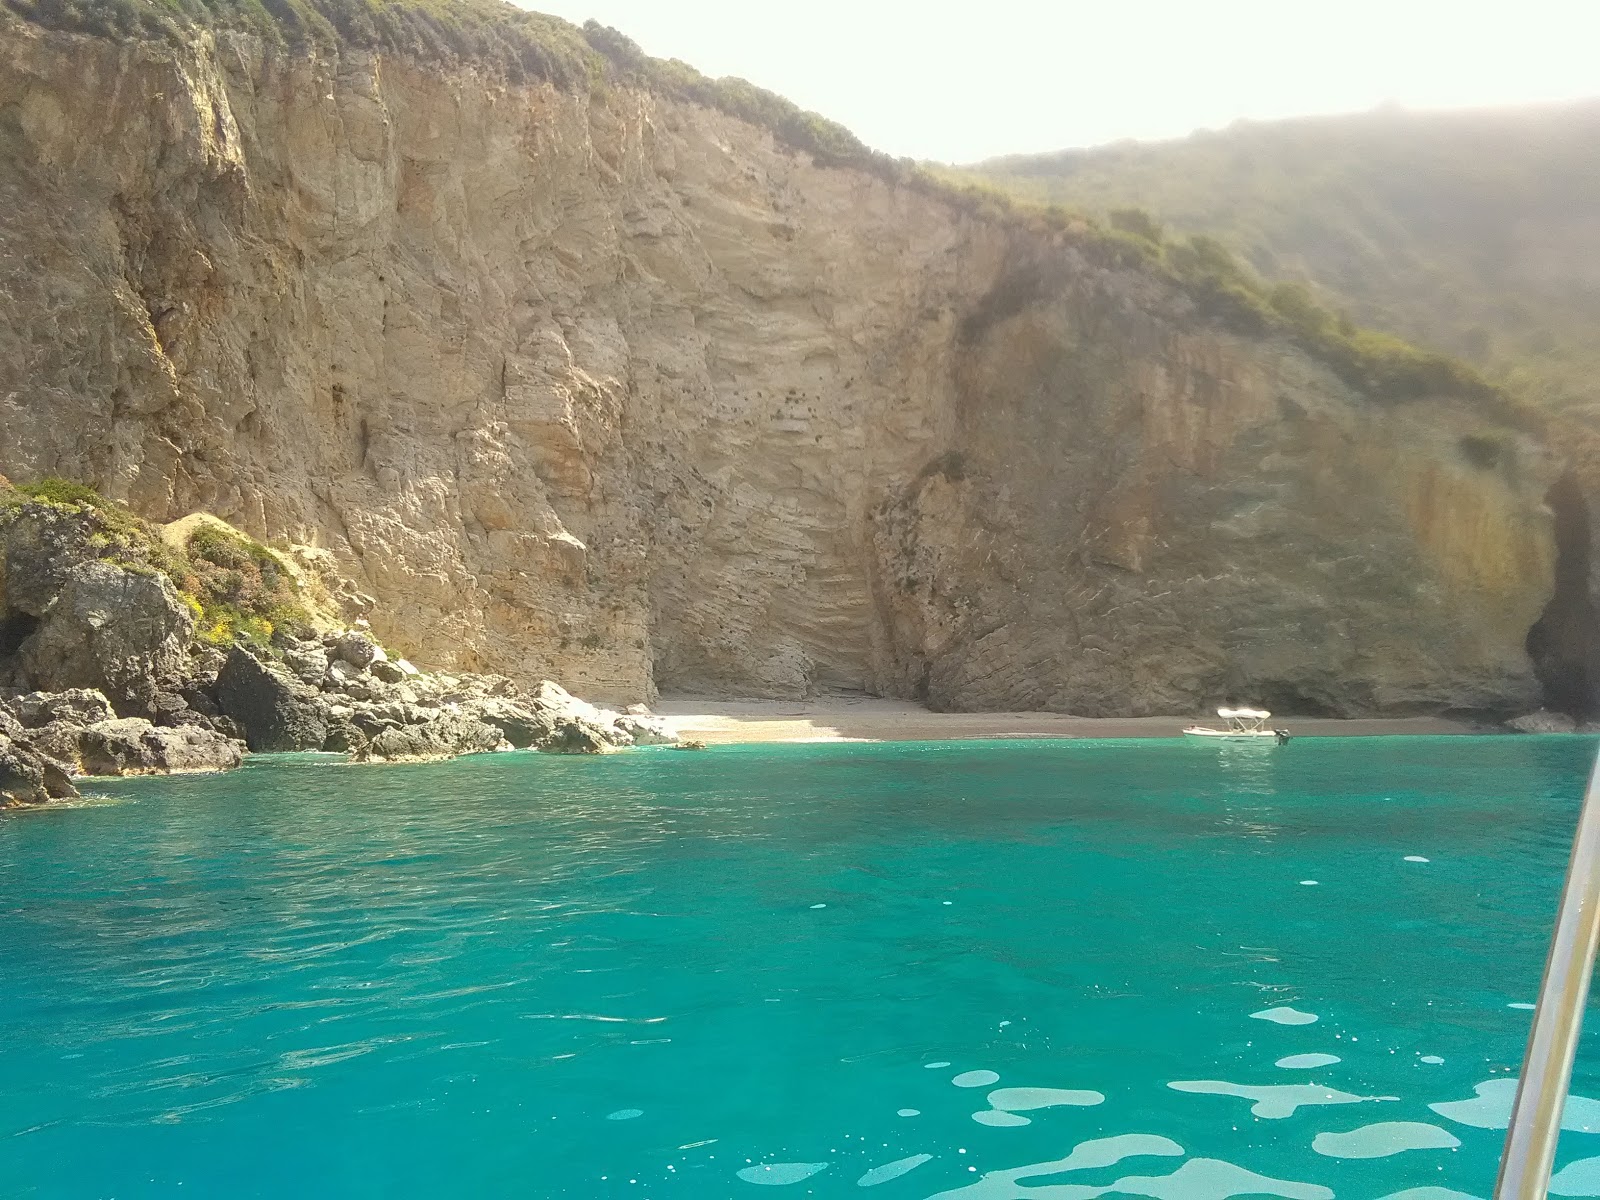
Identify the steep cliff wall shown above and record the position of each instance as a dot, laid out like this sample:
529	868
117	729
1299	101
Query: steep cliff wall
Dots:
616	390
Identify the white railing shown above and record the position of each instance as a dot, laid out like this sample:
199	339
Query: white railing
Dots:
1558	1017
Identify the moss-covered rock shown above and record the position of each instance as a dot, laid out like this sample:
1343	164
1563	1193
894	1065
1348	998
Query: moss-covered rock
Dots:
231	587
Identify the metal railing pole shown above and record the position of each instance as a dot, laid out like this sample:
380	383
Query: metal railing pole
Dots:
1558	1017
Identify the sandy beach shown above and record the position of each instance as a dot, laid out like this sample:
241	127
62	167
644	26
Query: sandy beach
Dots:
851	718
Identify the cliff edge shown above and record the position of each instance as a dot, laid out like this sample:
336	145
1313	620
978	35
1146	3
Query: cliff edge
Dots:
608	386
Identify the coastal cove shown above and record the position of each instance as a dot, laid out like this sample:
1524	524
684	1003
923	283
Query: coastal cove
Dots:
871	718
570	630
507	973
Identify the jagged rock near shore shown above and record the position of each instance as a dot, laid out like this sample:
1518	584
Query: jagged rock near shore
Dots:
645	731
1543	721
26	776
117	631
47	739
519	724
606	386
88	596
373	714
276	711
131	746
577	735
438	734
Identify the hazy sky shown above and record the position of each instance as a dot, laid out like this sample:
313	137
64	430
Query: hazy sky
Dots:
960	81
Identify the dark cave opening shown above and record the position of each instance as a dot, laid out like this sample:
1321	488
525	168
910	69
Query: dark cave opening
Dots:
1564	642
15	627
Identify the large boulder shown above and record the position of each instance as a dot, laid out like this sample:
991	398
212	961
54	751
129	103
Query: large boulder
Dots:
121	632
578	735
445	735
577	721
391	672
522	725
76	706
308	660
646	731
29	777
133	746
358	649
21	779
276	710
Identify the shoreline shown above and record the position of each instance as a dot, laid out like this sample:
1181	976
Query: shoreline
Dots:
870	719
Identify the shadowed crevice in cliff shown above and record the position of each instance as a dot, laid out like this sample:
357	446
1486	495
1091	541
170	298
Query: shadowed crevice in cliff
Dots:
1564	643
15	626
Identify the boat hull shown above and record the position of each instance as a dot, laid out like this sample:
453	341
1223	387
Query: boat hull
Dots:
1199	731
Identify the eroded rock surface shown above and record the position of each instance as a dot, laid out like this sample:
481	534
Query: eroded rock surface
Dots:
48	739
131	746
276	711
619	391
111	629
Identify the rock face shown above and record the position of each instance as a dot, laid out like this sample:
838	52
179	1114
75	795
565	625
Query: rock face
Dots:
46	739
619	391
364	712
112	630
135	747
276	711
70	620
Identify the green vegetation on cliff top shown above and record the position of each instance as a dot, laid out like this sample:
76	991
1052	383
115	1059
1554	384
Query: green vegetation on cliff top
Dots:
238	589
529	46
1474	233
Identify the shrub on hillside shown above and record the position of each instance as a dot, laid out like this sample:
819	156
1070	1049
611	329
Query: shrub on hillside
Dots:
243	588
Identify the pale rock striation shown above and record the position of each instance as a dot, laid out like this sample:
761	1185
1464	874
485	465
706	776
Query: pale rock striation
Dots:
617	390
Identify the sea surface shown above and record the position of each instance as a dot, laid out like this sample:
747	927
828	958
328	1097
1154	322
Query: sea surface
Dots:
986	970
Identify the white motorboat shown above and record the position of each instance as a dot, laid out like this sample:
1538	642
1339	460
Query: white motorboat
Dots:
1243	724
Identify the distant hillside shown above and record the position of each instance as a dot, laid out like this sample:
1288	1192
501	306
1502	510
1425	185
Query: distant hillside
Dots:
1477	234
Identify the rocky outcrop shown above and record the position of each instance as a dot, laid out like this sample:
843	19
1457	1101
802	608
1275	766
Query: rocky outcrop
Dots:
433	734
1543	721
80	707
111	629
337	695
622	391
131	746
80	620
29	777
47	739
276	710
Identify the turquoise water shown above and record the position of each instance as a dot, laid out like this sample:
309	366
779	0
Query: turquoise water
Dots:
638	976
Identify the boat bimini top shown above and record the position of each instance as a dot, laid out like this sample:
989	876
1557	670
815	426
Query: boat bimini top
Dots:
1254	716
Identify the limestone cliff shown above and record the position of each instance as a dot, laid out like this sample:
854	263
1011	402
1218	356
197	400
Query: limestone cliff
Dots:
616	389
